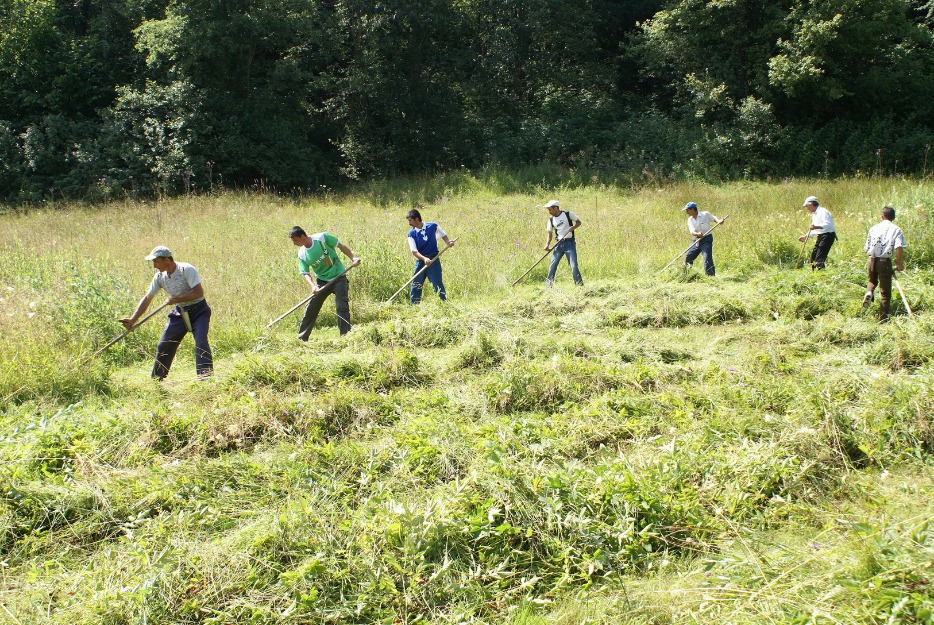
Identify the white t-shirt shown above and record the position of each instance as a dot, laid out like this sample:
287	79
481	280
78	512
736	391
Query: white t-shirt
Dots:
183	279
822	219
883	238
561	224
704	222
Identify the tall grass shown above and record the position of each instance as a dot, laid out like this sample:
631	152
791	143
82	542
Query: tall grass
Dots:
240	245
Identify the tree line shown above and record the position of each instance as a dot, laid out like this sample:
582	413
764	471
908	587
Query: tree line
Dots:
108	98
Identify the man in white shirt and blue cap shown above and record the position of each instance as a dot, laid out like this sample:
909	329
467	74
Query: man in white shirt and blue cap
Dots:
700	223
190	314
822	227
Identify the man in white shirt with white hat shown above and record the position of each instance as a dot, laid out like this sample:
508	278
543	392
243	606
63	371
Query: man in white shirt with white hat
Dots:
822	227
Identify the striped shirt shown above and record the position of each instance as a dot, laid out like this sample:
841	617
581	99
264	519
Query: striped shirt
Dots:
183	279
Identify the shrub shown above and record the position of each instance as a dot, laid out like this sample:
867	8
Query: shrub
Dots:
12	164
344	410
779	252
901	352
290	372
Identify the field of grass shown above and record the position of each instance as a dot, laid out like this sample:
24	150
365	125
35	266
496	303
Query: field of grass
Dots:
650	448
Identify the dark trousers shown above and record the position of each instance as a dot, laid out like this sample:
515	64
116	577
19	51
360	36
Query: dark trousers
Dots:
821	249
341	289
704	248
880	273
200	316
433	275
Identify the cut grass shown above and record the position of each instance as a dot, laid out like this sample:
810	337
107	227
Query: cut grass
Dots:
646	449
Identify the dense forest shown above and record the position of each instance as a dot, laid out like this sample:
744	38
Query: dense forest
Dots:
114	98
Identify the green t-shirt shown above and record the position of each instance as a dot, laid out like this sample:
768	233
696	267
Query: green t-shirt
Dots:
321	257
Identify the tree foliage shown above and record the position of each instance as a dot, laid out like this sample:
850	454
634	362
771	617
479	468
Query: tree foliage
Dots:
103	97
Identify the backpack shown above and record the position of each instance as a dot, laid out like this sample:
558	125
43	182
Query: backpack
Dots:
554	226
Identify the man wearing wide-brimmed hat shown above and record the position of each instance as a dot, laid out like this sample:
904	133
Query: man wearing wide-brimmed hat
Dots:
190	314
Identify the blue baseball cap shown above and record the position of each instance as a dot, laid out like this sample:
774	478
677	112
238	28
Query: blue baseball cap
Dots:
689	206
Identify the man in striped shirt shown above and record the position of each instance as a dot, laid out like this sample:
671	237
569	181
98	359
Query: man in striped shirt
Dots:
190	314
884	240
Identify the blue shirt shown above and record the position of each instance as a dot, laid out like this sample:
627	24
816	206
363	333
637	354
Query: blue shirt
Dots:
426	239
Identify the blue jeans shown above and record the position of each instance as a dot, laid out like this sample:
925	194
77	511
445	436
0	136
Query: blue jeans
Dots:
433	274
704	247
565	248
200	316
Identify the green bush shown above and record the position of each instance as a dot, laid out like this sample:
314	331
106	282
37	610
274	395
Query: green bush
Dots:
344	410
901	350
779	252
293	371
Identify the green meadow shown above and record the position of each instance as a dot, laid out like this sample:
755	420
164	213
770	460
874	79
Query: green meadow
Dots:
653	447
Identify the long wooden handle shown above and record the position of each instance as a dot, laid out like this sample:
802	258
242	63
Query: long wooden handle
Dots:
547	252
130	329
305	301
801	253
902	293
421	271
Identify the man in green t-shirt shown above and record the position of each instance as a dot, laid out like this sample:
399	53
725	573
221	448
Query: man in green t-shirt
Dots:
319	264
